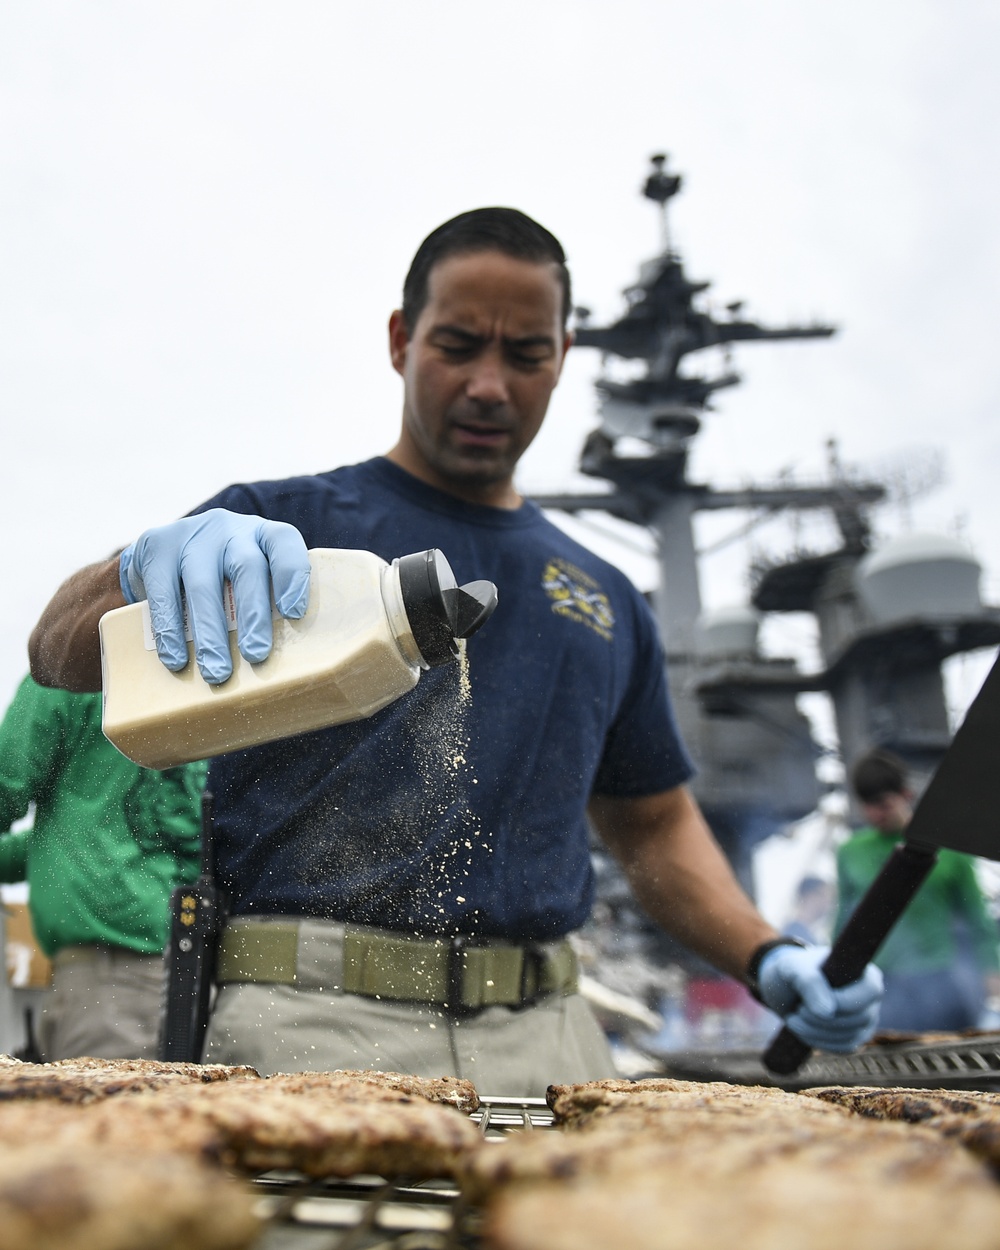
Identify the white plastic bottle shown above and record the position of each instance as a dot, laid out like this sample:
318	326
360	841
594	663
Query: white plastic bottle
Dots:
370	630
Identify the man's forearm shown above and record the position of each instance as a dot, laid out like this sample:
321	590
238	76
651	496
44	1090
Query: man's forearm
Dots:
64	649
681	877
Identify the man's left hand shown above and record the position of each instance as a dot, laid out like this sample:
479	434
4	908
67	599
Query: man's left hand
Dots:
792	984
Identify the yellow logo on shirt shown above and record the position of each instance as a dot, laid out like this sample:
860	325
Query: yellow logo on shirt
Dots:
578	597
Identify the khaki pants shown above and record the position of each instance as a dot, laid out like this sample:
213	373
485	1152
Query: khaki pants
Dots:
503	1050
105	1003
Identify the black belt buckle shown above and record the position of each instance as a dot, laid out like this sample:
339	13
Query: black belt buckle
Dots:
532	959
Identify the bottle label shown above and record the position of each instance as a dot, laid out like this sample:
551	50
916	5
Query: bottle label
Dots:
228	603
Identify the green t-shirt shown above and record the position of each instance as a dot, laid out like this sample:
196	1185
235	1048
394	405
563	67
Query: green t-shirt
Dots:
110	840
924	937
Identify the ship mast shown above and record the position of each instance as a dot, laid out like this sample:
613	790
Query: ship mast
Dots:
755	753
887	618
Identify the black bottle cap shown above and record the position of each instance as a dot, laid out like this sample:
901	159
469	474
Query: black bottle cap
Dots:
440	611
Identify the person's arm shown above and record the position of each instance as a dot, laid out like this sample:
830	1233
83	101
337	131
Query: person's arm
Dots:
848	890
971	907
14	856
680	876
28	753
684	882
30	745
64	649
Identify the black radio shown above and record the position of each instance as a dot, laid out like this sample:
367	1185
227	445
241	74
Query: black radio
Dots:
196	919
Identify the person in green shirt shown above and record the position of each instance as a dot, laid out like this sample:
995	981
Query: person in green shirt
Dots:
109	842
940	962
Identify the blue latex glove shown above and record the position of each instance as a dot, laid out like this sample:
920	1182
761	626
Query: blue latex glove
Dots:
989	1018
198	553
791	983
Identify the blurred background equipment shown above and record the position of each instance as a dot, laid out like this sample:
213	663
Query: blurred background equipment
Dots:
887	614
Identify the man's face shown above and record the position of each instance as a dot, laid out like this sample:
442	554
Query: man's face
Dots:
478	372
890	812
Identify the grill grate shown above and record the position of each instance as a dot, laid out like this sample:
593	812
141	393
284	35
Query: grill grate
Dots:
369	1213
961	1062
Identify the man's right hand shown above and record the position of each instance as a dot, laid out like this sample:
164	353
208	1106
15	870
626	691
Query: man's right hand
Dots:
196	554
792	984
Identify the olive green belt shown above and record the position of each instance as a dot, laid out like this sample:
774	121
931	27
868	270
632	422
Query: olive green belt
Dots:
458	973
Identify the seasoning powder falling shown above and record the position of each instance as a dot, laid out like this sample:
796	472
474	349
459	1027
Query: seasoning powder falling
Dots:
441	747
396	835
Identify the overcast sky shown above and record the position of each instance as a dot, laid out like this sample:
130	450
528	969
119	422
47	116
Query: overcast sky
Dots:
206	211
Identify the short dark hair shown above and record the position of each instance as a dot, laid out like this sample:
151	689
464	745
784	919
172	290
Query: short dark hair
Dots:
876	773
505	230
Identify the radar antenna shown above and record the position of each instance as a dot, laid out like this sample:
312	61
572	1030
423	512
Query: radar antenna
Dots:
660	187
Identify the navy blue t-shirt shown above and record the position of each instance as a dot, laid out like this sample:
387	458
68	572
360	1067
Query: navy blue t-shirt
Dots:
451	812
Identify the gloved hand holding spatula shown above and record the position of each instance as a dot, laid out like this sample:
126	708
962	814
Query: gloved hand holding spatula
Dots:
960	809
789	979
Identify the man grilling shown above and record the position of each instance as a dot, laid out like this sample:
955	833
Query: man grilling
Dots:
393	904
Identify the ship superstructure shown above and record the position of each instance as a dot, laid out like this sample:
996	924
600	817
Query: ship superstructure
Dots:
887	618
